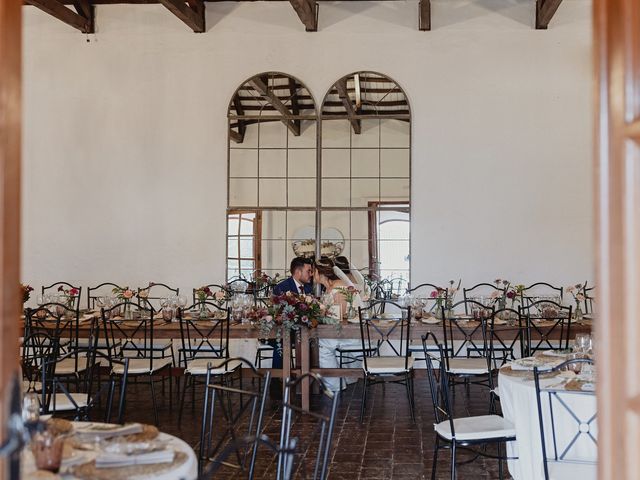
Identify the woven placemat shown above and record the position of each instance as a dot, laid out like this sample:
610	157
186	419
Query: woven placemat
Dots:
576	385
59	426
88	471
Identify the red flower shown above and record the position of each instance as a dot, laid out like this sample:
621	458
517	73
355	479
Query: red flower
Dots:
511	294
73	292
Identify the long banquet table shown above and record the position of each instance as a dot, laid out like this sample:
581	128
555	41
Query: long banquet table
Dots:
171	330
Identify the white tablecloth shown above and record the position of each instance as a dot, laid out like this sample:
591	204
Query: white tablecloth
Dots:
187	471
518	402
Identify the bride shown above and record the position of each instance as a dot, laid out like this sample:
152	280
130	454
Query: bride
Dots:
335	282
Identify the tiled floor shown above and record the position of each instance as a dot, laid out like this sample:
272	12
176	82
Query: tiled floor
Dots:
386	446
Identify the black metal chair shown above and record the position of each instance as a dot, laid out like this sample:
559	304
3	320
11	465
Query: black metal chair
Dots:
135	339
533	292
103	290
288	453
316	441
239	415
58	287
561	447
214	287
589	296
482	289
424	303
204	343
393	368
467	360
455	433
153	295
545	319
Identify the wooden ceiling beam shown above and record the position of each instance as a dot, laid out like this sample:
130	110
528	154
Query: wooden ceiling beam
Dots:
192	13
545	10
261	86
235	136
83	19
424	15
341	87
242	126
307	11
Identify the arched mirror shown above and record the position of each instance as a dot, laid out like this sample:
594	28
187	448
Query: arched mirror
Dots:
271	174
366	169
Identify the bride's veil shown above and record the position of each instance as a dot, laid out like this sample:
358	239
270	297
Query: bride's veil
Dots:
342	276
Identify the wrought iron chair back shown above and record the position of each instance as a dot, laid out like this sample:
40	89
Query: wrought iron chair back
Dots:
93	293
438	380
203	337
560	399
472	330
57	286
589	295
482	289
543	319
214	287
320	439
373	333
531	293
241	417
501	349
154	294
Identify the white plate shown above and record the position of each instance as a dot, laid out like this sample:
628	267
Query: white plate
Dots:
431	320
353	320
499	321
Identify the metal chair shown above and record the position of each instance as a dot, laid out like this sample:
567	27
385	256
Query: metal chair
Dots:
588	298
93	293
544	318
136	339
239	415
460	432
214	287
319	440
482	289
396	367
59	286
154	293
204	342
533	292
563	458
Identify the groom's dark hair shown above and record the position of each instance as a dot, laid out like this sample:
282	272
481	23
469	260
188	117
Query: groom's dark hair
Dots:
299	262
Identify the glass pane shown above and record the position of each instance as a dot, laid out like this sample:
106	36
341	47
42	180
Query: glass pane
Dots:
365	162
369	136
274	254
393	254
247	265
246	223
273	163
274	224
364	191
233	224
394	162
246	247
394	189
243	163
359	256
301	225
233	265
273	135
360	225
393	225
243	192
335	193
307	137
302	163
232	247
394	133
336	133
335	162
302	192
335	224
273	192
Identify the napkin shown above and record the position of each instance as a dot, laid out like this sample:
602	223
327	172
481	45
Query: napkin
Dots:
106	430
111	460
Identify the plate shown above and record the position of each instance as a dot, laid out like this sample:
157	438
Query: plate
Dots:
353	320
499	321
431	320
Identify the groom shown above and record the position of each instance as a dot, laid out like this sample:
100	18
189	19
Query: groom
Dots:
299	282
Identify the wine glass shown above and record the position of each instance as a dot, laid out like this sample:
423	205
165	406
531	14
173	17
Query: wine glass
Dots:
30	409
182	301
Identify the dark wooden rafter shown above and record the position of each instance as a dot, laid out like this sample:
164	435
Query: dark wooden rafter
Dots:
307	11
545	10
295	106
341	87
82	19
191	12
260	84
424	15
238	136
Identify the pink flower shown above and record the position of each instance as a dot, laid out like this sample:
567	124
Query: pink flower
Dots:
127	294
434	294
511	294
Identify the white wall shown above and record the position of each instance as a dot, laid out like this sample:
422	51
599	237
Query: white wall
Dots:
125	136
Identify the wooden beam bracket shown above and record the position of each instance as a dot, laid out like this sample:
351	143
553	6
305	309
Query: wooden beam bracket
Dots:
424	15
260	84
307	10
545	10
82	19
191	13
356	124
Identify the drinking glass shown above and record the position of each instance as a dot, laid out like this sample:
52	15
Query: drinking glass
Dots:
30	409
582	343
47	451
182	301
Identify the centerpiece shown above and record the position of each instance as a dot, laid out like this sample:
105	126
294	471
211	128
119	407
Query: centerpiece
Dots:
577	291
289	312
349	294
70	295
202	294
125	294
26	292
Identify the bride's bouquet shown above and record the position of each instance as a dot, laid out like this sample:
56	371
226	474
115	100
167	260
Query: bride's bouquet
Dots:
291	311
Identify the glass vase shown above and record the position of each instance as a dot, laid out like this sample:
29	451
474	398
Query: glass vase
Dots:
127	314
578	315
202	311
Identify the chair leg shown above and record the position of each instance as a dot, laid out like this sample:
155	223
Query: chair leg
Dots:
364	397
500	468
184	394
153	398
453	460
110	399
436	448
407	383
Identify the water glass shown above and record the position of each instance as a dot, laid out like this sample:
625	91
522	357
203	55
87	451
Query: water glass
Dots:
47	451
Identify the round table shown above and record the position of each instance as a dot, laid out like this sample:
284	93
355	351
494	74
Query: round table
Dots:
519	406
186	471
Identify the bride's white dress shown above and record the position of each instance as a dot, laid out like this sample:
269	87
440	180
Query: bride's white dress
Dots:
328	356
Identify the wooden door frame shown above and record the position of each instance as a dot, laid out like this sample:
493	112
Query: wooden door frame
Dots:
10	139
617	199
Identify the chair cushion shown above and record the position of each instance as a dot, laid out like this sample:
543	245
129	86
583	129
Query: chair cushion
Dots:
569	470
63	403
390	365
263	346
141	365
199	366
477	428
68	365
468	366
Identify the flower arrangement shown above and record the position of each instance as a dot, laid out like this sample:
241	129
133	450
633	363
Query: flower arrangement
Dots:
262	279
577	292
203	293
70	293
290	311
349	294
125	293
515	294
26	292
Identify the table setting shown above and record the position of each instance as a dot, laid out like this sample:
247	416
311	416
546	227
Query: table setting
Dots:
575	384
